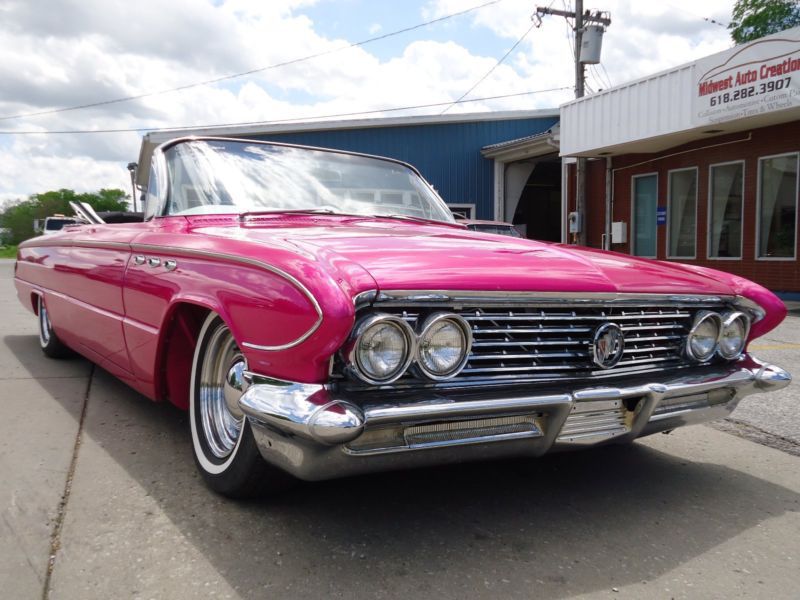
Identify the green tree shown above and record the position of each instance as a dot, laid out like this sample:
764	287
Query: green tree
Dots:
18	217
753	19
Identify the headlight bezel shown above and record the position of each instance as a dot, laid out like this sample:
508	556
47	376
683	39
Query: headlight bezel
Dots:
424	330
727	321
363	326
700	318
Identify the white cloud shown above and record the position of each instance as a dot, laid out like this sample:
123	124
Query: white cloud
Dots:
644	37
79	51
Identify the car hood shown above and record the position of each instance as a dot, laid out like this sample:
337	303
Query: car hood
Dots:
410	256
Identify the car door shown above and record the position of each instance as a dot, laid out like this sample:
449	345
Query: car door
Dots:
98	258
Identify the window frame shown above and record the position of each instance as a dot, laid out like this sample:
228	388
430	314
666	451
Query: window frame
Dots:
757	249
709	221
669	211
633	213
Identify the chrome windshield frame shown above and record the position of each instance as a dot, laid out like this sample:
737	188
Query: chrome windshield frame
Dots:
159	165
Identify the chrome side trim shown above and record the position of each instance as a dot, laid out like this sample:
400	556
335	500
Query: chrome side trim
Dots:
172	250
39	243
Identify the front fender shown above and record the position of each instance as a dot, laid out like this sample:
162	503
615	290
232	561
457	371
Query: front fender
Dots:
774	308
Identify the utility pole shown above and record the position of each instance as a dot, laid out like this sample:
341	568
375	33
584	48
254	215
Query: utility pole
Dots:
580	73
580	164
581	20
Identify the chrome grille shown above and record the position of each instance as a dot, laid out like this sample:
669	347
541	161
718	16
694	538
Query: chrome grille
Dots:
526	341
554	342
591	420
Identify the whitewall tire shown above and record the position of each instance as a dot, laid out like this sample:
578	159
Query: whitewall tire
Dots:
224	448
51	345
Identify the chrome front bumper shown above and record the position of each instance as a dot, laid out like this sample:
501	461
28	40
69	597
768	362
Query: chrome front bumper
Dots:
315	432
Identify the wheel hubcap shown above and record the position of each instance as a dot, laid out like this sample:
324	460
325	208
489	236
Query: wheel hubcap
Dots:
44	324
222	383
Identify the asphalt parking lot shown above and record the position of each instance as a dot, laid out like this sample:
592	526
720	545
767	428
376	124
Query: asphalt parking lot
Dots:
100	499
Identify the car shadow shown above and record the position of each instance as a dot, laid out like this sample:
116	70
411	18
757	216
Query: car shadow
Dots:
557	526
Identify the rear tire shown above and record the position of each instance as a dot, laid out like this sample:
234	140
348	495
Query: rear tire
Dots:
225	450
48	340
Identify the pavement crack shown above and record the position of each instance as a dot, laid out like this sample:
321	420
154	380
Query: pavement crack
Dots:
20	544
55	537
757	435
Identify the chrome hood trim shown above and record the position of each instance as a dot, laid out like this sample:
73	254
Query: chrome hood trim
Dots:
491	298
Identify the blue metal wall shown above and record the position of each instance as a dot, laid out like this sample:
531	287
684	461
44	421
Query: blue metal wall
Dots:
447	154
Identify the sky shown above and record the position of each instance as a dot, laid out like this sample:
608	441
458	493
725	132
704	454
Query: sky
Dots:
63	53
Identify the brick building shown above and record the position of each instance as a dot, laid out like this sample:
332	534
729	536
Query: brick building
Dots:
697	164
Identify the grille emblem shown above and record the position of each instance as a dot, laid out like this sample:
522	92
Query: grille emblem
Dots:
608	343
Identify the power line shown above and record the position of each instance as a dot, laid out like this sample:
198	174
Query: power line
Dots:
278	121
490	71
570	26
694	14
714	22
610	83
251	71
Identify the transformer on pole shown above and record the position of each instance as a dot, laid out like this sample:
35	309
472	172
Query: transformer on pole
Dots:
589	29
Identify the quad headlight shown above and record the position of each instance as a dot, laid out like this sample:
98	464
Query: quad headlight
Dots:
704	336
724	334
383	348
735	327
443	346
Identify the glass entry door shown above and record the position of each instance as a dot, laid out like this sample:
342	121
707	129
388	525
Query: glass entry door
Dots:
645	188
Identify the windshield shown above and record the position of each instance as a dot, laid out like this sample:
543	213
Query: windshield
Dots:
224	176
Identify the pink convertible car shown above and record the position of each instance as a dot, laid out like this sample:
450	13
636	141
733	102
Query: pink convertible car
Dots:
321	314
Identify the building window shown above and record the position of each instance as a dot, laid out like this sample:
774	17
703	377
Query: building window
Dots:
725	207
645	199
777	206
682	213
462	211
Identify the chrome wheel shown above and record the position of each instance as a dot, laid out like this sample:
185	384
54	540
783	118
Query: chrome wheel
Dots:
48	340
45	326
225	450
222	383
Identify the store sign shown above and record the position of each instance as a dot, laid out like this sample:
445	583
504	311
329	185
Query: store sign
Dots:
756	78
